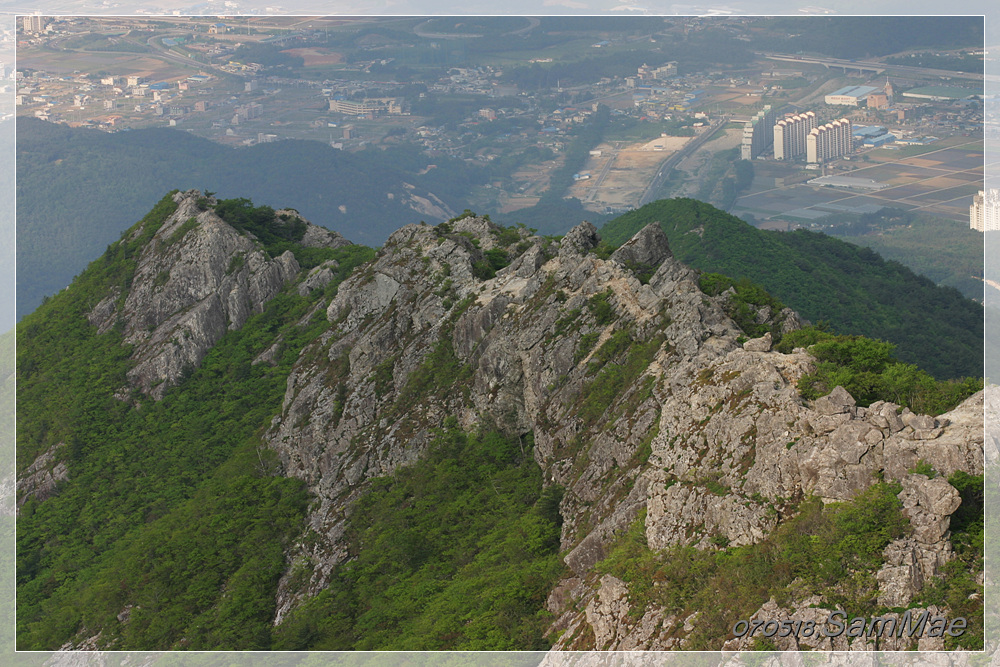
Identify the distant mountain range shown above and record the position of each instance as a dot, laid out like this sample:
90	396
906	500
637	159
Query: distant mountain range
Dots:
77	190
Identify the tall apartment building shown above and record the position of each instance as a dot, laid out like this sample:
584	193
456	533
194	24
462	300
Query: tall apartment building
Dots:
790	135
758	134
984	214
829	141
34	24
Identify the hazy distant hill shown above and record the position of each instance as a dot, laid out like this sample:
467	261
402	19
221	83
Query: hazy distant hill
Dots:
946	251
821	277
77	190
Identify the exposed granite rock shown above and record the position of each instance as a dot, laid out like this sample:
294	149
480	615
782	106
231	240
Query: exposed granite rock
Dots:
649	247
319	277
40	480
836	402
762	344
105	313
711	439
606	611
196	279
580	239
315	236
729	439
901	578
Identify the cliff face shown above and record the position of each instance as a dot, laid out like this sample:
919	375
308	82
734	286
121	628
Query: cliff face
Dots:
195	279
639	395
645	401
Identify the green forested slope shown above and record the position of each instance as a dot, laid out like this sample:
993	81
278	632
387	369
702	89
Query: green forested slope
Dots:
826	279
171	508
457	552
173	517
78	189
946	251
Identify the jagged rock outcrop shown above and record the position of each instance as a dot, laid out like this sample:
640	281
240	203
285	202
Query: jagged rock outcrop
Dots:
647	248
319	277
315	236
710	438
643	397
41	479
197	278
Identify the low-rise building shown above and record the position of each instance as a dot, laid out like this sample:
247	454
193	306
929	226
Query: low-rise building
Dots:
851	96
375	106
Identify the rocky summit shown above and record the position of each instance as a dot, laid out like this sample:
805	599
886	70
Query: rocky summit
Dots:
653	411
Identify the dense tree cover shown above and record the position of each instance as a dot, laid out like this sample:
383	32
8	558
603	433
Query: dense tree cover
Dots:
822	278
172	510
456	552
7	400
78	189
832	550
946	251
863	36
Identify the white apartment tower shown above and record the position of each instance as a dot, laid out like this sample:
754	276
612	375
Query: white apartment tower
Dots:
829	141
790	135
758	134
34	23
984	214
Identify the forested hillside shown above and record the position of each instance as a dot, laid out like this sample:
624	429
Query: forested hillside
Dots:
946	251
825	279
239	431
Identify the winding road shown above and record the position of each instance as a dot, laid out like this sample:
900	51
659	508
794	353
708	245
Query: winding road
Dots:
690	147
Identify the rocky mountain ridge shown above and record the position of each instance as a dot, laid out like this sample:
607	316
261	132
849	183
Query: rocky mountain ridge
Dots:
196	278
643	399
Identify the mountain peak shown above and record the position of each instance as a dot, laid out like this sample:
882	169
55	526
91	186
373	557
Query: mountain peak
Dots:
195	277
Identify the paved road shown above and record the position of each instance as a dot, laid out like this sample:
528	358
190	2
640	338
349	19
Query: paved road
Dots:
690	147
419	31
603	174
875	66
